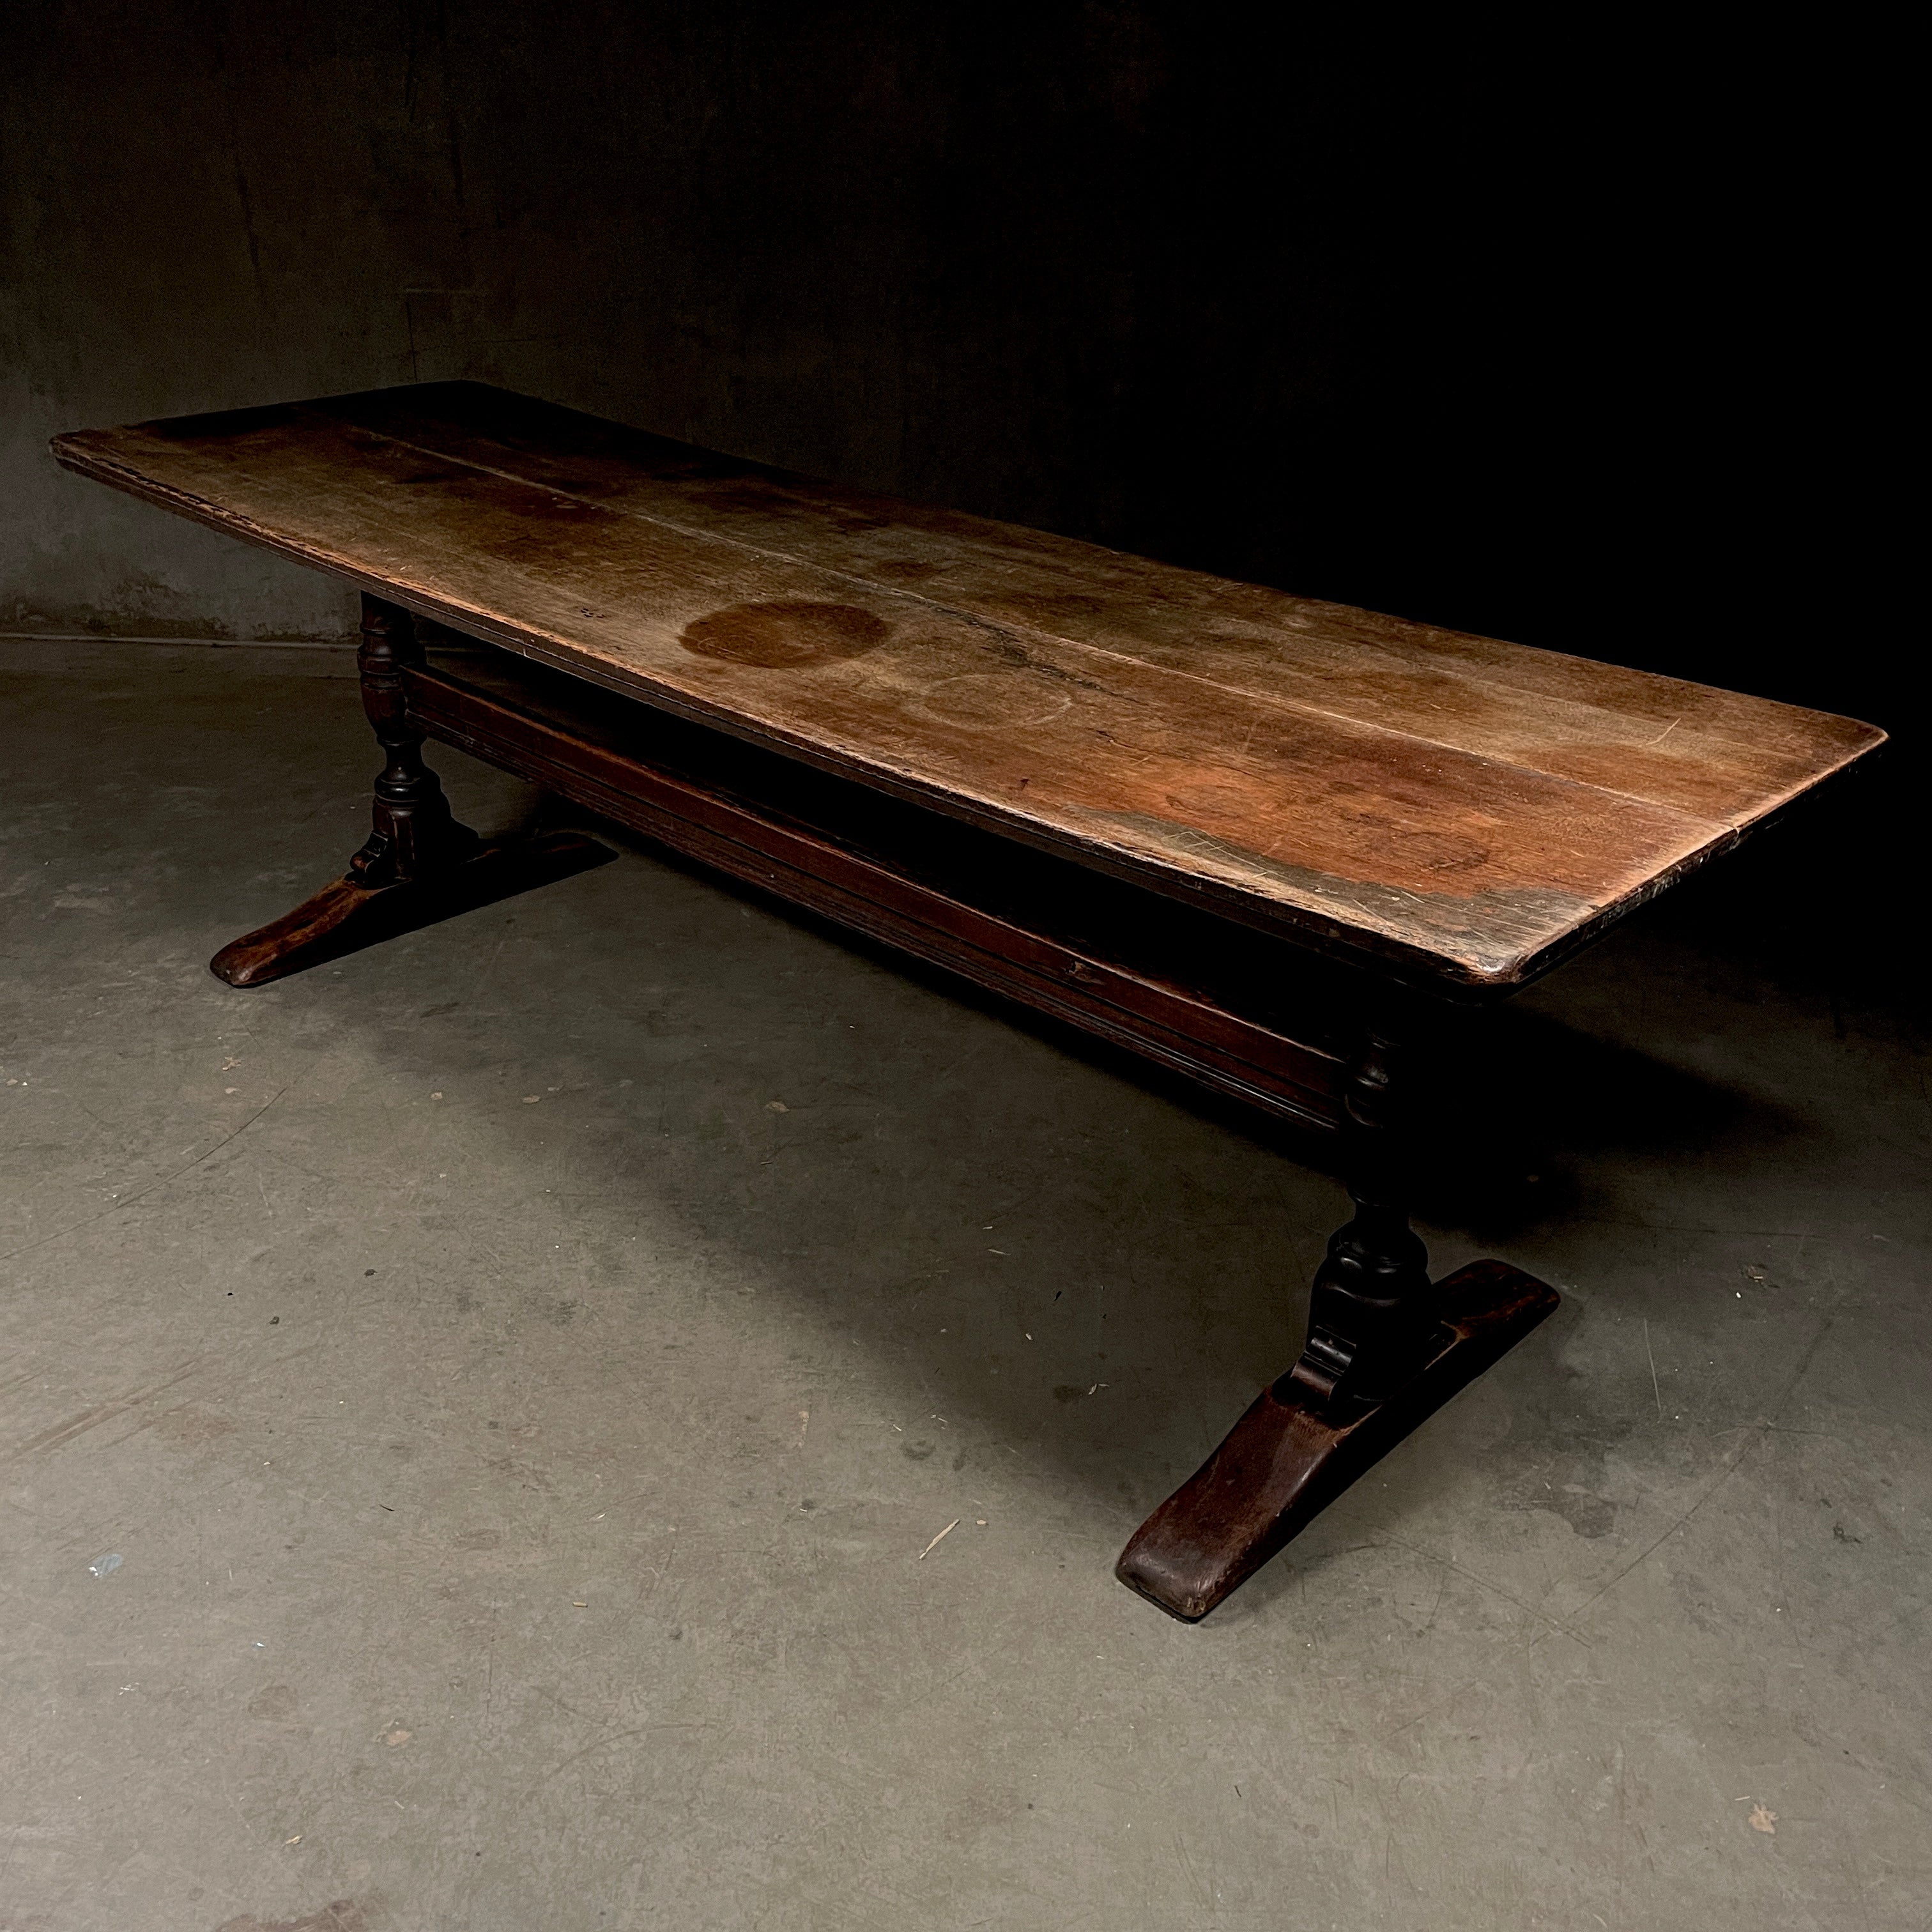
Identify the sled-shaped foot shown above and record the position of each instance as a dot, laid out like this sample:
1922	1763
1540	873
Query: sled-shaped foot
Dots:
1289	1457
345	917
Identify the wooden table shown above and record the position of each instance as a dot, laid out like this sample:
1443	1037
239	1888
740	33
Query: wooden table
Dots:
1258	838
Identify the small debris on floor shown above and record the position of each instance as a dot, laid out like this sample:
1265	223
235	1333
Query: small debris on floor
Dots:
1763	1818
939	1538
105	1566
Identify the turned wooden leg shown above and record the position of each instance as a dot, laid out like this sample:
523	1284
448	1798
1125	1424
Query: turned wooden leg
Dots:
1369	1315
419	864
1385	1350
414	838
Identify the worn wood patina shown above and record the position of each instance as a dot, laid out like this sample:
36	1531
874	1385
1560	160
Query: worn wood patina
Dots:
1256	837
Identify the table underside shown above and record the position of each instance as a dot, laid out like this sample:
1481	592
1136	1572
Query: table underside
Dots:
1250	1016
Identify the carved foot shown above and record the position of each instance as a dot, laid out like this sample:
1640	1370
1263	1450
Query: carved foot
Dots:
1291	1455
345	916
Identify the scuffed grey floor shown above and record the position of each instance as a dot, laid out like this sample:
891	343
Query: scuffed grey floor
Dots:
523	1370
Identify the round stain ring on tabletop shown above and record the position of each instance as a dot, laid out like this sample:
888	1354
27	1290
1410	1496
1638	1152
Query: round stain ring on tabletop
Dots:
786	635
991	698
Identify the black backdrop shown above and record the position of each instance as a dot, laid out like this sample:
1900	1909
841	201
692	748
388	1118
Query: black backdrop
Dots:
1584	336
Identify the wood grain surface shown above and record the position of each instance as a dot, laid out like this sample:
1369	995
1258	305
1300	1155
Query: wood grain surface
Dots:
1448	807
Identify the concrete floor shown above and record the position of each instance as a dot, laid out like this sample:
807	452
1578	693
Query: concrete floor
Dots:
516	1373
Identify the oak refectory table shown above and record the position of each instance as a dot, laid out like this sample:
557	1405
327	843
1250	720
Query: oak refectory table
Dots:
1259	839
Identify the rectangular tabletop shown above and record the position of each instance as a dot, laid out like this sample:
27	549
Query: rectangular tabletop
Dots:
1456	807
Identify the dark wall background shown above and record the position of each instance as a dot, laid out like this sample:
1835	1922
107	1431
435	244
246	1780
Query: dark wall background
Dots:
1580	341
